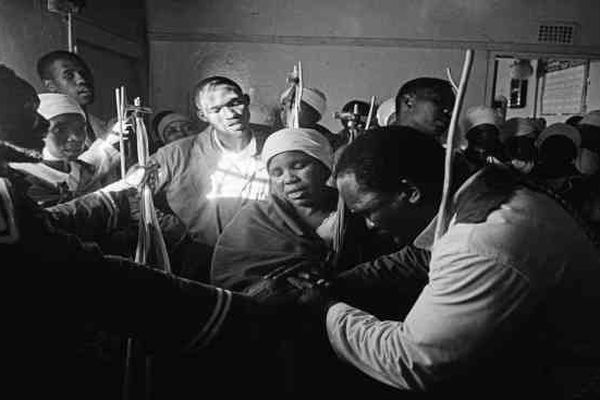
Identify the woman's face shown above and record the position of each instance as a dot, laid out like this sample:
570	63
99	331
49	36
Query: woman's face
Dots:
66	136
298	177
177	130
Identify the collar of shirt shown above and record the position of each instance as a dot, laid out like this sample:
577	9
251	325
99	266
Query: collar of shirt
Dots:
248	151
426	238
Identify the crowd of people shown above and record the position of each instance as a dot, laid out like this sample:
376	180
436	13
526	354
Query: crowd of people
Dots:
303	262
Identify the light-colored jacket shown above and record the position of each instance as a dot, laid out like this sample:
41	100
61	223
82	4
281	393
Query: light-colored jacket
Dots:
487	280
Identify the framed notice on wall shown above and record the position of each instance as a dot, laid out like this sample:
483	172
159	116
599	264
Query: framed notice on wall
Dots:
563	87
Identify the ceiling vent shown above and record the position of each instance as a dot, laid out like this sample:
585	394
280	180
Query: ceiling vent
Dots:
557	33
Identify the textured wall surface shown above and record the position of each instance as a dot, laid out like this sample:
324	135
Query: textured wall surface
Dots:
26	32
473	20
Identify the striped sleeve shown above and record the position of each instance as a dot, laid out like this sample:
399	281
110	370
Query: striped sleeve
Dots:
214	323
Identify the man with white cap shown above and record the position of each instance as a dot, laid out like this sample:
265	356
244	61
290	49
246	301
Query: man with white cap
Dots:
558	146
312	108
480	125
61	175
517	127
518	135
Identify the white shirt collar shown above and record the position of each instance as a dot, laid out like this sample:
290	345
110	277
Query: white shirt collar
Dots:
248	151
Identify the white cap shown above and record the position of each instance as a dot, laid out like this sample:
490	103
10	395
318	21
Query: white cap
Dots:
560	129
311	96
168	120
308	141
479	115
53	104
517	126
315	98
385	111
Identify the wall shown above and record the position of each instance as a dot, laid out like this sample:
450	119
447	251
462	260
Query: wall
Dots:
349	48
26	32
110	36
593	93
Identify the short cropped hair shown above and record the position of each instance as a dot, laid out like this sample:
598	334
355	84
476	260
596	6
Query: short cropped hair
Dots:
208	83
418	85
44	64
382	157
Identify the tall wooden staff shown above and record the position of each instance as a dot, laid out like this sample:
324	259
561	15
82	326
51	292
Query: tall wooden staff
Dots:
151	248
441	223
295	90
121	120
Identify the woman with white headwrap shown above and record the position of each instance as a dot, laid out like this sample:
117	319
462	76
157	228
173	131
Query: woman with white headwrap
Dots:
291	231
285	236
61	175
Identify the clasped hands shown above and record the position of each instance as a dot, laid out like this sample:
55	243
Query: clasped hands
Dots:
304	289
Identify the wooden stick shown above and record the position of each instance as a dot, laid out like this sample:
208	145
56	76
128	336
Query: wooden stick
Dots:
120	100
299	89
440	227
70	31
449	76
370	116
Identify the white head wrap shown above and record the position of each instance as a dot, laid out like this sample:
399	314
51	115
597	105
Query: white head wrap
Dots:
385	111
313	97
517	126
308	141
53	104
167	120
479	115
560	129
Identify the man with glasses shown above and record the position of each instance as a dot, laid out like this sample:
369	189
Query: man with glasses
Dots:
204	179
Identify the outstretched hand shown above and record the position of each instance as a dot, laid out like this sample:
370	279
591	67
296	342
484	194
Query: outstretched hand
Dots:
139	176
